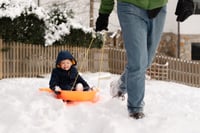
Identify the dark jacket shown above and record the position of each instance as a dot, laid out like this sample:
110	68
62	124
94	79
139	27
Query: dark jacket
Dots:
66	79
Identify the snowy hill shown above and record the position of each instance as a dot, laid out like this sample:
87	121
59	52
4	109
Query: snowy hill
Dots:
170	108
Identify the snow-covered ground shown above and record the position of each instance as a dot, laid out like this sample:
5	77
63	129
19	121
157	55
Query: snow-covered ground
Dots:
170	108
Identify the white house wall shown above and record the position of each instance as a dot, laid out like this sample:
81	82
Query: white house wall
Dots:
190	26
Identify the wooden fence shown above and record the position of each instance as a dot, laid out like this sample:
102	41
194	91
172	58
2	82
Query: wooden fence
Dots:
26	60
181	71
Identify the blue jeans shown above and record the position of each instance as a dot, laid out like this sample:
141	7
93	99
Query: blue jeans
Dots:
141	38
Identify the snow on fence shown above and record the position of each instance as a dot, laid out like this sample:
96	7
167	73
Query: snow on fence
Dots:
158	71
26	60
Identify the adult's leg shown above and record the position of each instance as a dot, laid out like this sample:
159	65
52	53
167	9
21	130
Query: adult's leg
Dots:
134	24
154	34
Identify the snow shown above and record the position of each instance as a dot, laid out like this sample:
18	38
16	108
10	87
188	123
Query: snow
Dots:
170	108
81	18
53	32
190	26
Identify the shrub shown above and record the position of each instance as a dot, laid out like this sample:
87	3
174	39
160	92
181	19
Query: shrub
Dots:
34	25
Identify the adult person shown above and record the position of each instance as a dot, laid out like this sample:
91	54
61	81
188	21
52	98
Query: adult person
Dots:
142	23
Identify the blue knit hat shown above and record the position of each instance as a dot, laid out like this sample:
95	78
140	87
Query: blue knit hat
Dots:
63	55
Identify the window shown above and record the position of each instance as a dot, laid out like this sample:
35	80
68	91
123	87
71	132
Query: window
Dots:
195	51
196	7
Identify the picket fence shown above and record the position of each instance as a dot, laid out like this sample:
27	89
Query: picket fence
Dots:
27	60
179	70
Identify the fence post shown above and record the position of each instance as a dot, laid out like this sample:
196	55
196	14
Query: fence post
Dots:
1	58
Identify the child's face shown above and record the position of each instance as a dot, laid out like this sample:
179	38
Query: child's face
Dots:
66	64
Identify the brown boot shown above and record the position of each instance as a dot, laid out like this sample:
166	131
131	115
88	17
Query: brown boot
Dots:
137	115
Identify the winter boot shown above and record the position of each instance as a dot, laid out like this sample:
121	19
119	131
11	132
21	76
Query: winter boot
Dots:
137	115
115	91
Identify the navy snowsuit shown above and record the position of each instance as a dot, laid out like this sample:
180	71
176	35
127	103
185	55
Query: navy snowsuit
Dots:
65	79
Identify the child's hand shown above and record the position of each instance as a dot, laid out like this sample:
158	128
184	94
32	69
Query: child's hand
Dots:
79	87
57	90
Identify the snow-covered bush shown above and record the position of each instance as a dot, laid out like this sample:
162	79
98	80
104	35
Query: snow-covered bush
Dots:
28	28
24	21
57	23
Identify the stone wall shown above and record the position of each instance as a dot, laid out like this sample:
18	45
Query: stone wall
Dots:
168	45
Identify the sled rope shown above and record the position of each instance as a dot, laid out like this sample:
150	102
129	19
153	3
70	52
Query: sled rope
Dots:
86	54
84	59
101	59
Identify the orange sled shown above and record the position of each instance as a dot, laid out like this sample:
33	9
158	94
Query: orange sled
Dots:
77	96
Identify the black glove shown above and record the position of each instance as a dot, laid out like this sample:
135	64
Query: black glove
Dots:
184	9
57	92
87	88
153	13
102	22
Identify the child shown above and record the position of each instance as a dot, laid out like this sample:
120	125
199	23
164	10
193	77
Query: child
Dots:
65	76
